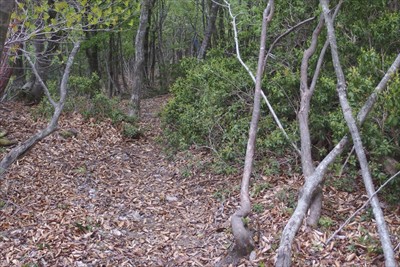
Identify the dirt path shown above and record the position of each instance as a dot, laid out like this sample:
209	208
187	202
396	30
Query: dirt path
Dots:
100	200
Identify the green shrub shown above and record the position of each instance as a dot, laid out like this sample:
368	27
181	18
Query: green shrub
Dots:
212	107
84	86
131	131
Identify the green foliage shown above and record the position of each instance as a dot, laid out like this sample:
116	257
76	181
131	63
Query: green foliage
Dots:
83	86
222	194
43	110
326	222
288	197
258	208
259	188
131	131
206	109
212	101
211	107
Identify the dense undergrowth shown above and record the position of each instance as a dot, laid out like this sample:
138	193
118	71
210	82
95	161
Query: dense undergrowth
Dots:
86	98
211	107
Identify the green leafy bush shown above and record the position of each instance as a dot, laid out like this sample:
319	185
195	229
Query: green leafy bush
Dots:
84	86
212	104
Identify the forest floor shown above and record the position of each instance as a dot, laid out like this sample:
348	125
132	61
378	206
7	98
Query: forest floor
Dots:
99	199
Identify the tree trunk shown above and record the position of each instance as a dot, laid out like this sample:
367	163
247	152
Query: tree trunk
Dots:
306	93
243	239
209	30
6	8
58	107
92	54
138	78
358	145
289	232
44	58
5	70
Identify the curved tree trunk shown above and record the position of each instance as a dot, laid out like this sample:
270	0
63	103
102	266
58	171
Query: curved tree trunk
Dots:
243	239
306	93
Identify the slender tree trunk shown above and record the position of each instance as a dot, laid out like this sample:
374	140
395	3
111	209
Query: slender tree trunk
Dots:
243	239
112	66
289	232
92	54
19	150
123	84
209	30
18	72
6	8
140	53
5	70
306	93
358	145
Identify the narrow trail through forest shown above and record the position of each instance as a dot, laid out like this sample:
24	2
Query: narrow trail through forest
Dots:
99	199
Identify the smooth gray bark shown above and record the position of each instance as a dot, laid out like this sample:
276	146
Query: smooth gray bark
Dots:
140	53
16	152
358	145
284	252
306	93
243	239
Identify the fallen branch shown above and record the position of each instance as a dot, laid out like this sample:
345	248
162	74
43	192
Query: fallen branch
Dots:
52	125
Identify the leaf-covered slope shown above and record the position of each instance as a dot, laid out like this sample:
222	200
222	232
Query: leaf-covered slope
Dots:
97	199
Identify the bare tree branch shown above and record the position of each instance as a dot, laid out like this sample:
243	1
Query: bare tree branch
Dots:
51	126
272	46
39	78
317	177
271	109
360	209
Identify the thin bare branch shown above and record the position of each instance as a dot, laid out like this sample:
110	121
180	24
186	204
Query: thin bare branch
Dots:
19	150
356	136
317	177
253	77
360	209
39	78
272	46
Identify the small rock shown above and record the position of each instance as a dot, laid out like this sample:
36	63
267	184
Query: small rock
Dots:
80	264
92	193
171	198
133	215
253	256
116	232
